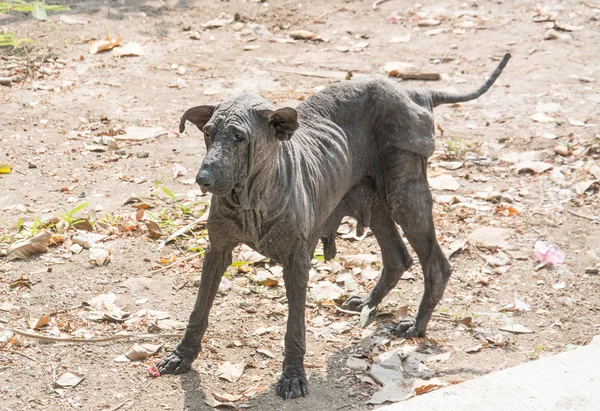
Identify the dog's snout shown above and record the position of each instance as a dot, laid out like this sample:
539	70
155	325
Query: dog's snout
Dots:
205	178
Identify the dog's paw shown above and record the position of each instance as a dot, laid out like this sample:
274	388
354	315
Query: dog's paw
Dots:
292	384
356	303
174	363
406	329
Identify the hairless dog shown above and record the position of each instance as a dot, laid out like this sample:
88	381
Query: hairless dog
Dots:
283	179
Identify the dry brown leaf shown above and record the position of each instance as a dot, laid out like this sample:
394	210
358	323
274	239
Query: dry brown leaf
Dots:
37	322
358	260
213	403
168	324
225	397
265	278
302	35
20	282
466	321
230	372
56	239
35	245
83	224
106	44
444	182
99	256
326	290
250	392
474	349
154	230
139	214
248	255
402	312
507	211
68	380
490	237
583	186
128	50
266	353
394	391
142	351
533	166
423	387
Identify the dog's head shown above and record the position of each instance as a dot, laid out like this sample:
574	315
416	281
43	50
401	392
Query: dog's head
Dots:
240	135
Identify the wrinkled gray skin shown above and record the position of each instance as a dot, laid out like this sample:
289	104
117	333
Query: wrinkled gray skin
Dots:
283	179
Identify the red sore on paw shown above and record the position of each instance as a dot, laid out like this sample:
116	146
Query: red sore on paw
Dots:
153	371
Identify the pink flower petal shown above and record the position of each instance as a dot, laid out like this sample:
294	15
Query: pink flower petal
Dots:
548	254
179	171
393	17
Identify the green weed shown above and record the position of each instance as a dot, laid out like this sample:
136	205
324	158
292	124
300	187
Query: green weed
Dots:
69	216
38	9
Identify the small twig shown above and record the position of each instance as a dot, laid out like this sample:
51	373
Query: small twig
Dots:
182	231
591	218
147	385
189	257
21	354
377	3
443	318
338	75
91	340
119	406
65	310
341	310
132	377
20	172
182	286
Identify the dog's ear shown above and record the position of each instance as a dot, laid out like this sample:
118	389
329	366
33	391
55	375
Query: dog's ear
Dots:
197	115
284	121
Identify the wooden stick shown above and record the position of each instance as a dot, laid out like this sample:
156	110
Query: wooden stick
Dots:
90	340
346	311
182	231
21	354
338	75
416	75
592	218
119	406
189	257
377	3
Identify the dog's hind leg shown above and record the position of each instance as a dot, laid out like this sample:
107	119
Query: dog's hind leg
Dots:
407	195
396	258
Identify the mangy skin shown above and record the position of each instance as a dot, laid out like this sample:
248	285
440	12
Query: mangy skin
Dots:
281	180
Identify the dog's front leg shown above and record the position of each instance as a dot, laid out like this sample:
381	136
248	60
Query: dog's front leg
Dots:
293	381
180	360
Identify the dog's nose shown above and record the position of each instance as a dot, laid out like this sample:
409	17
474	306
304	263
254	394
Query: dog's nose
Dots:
204	178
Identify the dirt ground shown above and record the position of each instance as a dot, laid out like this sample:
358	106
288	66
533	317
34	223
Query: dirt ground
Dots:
548	96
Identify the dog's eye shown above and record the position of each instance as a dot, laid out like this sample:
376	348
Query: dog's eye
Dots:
239	138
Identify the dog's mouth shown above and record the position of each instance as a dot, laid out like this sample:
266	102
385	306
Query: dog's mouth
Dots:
221	193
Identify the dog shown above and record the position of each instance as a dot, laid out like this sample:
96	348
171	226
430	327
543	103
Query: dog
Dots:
282	179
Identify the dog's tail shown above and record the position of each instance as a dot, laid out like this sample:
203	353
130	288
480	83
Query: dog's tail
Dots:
442	97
